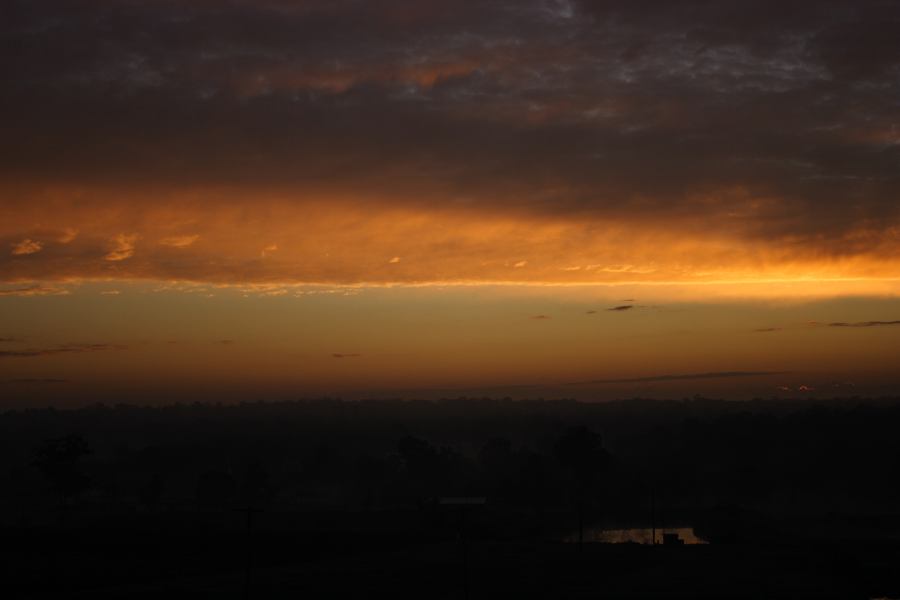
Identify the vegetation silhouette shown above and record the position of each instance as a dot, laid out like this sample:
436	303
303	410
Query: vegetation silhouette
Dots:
581	453
59	461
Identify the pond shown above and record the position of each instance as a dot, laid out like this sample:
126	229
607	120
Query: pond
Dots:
634	535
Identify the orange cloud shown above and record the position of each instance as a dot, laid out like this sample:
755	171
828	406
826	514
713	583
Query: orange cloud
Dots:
179	241
337	241
36	290
67	235
122	247
27	246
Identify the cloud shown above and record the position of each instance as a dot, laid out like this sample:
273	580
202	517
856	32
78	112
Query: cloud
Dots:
809	388
267	250
121	247
179	241
36	381
468	134
61	349
520	264
686	377
394	260
7	340
352	355
591	312
224	342
27	246
767	329
36	290
541	317
68	235
865	324
621	308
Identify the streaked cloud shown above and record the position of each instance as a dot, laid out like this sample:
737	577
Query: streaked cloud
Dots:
61	349
35	290
865	324
686	377
179	241
27	246
68	235
121	247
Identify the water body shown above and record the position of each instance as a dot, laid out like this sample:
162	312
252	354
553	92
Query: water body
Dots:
634	535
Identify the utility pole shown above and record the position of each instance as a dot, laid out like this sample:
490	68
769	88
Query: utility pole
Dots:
249	511
463	505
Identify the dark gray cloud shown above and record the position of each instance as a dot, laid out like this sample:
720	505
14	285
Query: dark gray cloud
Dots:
351	355
61	349
689	376
855	324
36	381
865	324
621	308
599	107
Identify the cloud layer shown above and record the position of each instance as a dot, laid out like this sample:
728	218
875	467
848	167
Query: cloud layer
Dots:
542	140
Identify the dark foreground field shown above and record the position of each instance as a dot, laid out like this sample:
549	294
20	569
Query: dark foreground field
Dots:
331	499
159	563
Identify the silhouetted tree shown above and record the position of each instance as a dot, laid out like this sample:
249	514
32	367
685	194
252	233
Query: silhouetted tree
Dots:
495	455
420	458
427	467
215	489
580	451
256	488
496	461
59	460
151	492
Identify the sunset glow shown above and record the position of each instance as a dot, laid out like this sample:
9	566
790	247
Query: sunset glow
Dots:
375	201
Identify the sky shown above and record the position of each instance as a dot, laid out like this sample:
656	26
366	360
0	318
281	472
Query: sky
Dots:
261	199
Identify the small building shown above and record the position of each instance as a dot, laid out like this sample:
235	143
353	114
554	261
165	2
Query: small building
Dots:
672	539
